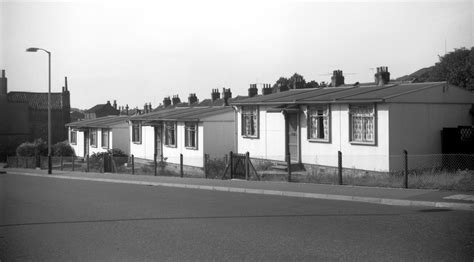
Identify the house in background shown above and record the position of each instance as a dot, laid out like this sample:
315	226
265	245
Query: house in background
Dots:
99	135
370	124
24	116
191	131
101	110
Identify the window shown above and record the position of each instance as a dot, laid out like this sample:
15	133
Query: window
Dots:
362	123
190	134
250	121
318	123
73	137
136	133
170	134
93	137
105	138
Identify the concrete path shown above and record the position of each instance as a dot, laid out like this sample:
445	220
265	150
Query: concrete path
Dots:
375	195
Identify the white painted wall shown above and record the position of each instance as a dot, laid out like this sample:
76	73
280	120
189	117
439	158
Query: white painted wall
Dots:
99	148
191	157
417	128
146	148
79	146
270	143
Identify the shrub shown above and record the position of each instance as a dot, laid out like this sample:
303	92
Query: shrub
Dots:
37	147
63	149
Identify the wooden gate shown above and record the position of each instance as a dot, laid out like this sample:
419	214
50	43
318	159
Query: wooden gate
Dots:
239	166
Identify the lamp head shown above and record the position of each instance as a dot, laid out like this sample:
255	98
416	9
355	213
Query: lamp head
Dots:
32	49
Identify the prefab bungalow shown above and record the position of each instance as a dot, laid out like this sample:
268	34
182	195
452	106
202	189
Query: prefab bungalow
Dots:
370	124
99	135
190	131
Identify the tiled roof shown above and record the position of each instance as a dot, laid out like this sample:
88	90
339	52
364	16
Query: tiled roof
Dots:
37	100
95	108
182	114
101	122
361	93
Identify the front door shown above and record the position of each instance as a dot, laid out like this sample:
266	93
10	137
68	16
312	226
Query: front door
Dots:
86	143
158	142
292	136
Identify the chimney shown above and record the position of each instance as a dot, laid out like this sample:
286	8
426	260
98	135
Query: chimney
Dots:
145	108
3	86
215	94
267	89
115	104
176	100
226	93
382	77
253	90
166	101
192	99
337	78
126	109
150	108
65	84
108	102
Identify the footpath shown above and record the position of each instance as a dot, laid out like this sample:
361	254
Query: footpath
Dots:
375	195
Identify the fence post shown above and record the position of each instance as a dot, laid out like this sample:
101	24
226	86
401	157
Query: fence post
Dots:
72	160
87	163
181	165
288	164
133	164
339	167
155	163
231	164
61	160
405	182
247	166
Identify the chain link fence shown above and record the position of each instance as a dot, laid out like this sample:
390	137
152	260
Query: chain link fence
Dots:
433	171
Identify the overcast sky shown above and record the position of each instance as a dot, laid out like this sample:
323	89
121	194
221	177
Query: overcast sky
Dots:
136	52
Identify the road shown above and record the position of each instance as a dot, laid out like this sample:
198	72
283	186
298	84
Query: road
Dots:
48	219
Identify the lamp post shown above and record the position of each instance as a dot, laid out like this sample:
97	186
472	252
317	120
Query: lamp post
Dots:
35	49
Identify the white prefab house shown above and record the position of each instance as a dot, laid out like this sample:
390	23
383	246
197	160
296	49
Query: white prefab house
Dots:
190	131
99	135
371	125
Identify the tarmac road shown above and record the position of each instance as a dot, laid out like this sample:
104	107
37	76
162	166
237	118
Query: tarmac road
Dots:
43	219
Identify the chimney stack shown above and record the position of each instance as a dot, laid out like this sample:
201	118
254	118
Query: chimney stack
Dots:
145	108
166	101
253	90
108	102
267	89
176	100
115	104
192	99
150	108
215	94
3	87
126	109
382	77
337	78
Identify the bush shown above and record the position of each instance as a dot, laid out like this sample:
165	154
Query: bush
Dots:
37	147
63	149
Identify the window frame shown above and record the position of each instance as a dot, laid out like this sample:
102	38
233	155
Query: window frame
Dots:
309	116
168	125
136	129
351	129
71	140
93	137
105	131
187	127
246	111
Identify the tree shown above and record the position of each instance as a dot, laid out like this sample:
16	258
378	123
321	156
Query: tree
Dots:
296	81
455	68
312	84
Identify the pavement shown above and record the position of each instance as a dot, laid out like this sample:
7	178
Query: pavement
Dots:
375	195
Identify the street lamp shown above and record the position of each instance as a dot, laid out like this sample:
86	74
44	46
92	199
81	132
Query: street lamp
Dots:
35	49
